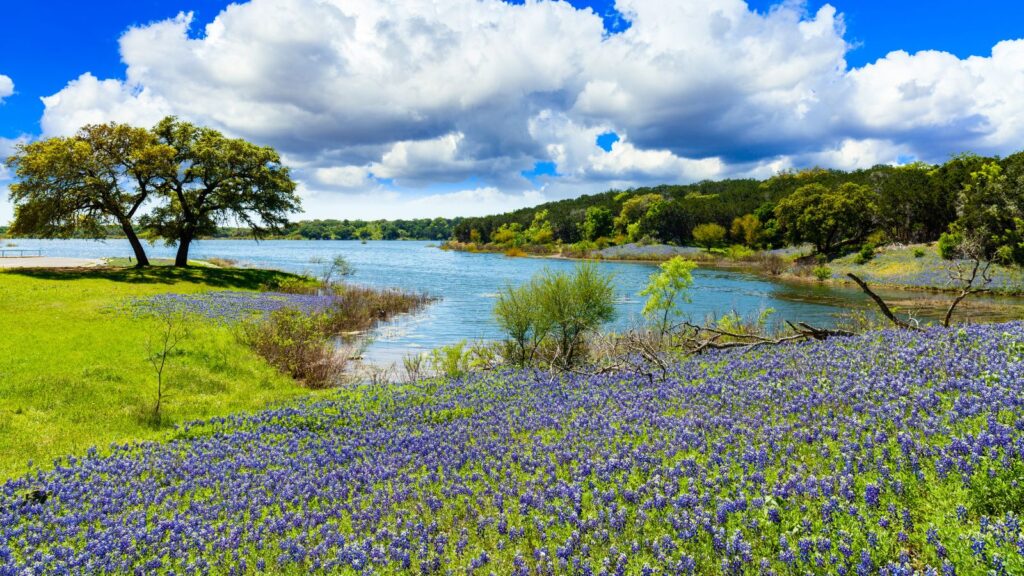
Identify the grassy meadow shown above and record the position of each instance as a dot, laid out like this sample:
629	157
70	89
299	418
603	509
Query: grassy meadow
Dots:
74	368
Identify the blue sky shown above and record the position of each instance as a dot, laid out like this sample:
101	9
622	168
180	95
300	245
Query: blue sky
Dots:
514	152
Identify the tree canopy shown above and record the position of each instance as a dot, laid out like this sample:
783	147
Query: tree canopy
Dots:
79	185
827	218
216	179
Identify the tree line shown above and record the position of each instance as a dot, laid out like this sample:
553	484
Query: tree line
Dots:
176	182
970	197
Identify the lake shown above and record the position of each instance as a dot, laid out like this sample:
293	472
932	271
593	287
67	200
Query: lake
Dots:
468	283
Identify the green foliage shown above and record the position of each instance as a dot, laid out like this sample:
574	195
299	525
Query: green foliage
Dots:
822	273
866	254
298	344
828	218
739	252
452	361
666	290
598	222
949	245
991	211
417	229
912	206
709	235
80	185
747	229
919	252
636	208
556	310
214	178
519	315
539	231
508	235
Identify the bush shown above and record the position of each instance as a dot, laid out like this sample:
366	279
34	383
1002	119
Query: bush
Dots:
666	290
867	252
739	252
554	311
709	235
918	252
773	264
949	244
822	273
297	344
450	361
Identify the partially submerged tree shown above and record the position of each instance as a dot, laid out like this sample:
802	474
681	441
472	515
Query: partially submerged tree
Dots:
215	179
75	186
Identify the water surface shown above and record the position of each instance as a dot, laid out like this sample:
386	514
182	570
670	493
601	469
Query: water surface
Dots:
468	283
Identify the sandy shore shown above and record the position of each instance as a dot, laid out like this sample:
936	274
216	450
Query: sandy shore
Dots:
49	262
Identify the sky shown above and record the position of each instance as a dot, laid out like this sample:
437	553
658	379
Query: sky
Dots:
417	108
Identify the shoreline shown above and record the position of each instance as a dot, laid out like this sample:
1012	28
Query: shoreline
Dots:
714	262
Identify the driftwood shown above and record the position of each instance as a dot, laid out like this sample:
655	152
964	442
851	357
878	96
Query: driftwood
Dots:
882	306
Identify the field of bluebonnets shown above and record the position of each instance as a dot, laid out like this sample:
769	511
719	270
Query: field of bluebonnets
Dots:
890	453
231	306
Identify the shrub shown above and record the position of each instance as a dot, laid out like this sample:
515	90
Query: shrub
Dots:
918	252
822	273
555	312
709	235
575	305
450	361
949	244
666	290
515	253
297	344
739	252
867	252
773	264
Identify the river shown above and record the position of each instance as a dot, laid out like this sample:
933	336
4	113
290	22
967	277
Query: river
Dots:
468	283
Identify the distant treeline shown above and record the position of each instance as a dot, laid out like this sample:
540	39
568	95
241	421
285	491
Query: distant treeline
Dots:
418	229
439	229
911	203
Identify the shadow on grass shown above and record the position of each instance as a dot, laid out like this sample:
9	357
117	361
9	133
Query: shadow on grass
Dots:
240	278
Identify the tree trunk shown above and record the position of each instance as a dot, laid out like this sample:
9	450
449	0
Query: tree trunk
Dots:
140	254
181	258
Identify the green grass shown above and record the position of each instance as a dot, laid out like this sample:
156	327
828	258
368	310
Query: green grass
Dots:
74	371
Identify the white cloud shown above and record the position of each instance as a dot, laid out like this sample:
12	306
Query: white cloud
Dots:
6	87
936	100
88	100
368	205
422	93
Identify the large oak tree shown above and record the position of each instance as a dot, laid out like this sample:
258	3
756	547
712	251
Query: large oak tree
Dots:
828	218
217	180
76	186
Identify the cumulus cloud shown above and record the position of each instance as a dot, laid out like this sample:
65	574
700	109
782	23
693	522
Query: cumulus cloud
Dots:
365	97
6	87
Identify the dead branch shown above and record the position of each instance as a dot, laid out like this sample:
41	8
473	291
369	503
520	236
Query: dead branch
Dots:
881	304
966	281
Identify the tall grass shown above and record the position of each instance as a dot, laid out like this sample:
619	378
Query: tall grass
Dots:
317	348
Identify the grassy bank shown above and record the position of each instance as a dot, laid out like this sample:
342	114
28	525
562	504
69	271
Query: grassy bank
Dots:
74	370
